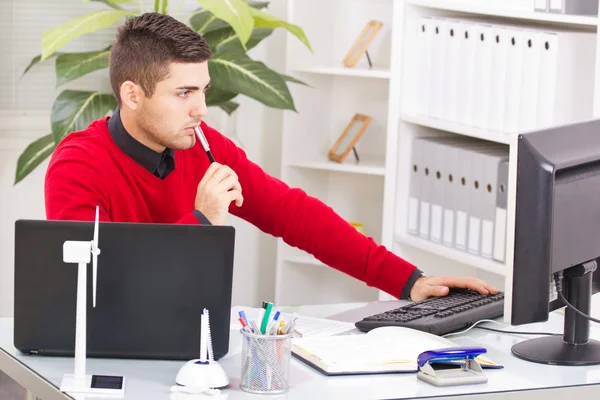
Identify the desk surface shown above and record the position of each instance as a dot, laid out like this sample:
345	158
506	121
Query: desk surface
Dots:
152	379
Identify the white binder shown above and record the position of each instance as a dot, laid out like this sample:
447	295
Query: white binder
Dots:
435	156
466	72
493	160
424	46
482	77
437	66
530	79
414	194
425	198
566	88
514	68
463	192
498	90
541	5
451	152
451	77
499	253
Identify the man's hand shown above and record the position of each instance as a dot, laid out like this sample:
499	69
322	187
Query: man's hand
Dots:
217	189
435	286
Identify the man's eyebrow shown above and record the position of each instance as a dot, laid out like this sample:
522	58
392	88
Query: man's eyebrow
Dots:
188	88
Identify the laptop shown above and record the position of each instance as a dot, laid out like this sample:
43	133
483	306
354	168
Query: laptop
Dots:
154	280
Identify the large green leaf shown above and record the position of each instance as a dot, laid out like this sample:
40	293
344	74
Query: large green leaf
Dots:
71	66
258	4
227	39
55	38
235	12
288	78
33	155
202	21
229	106
238	73
264	20
216	96
36	60
73	110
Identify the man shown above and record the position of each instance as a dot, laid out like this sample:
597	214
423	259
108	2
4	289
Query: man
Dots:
145	165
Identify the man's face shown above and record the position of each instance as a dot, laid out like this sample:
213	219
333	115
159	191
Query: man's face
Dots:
176	106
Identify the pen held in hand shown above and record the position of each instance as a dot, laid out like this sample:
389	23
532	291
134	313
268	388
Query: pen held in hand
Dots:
204	142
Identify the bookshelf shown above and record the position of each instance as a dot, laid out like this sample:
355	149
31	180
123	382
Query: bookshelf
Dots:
434	258
375	191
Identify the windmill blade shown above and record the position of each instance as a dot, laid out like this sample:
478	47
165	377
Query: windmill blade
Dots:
95	252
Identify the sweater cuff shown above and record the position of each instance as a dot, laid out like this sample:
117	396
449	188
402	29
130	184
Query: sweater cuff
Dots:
405	295
201	218
394	275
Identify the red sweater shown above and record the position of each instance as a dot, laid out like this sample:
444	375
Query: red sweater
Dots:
88	169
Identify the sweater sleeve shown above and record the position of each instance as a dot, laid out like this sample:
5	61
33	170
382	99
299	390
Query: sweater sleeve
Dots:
309	224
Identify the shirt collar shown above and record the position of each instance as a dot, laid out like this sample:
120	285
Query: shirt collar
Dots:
159	164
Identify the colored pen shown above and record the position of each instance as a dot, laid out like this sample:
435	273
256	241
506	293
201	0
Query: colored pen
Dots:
204	142
265	320
242	315
272	323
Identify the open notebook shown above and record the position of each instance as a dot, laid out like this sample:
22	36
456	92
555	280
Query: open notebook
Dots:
381	350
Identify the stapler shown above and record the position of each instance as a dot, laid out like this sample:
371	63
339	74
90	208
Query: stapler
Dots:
440	368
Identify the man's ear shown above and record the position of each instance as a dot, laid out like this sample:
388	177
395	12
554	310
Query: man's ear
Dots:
131	95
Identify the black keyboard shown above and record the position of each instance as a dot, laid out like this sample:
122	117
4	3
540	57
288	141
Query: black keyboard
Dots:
459	309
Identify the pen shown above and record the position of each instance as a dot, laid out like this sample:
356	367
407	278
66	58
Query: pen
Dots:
265	320
204	142
272	323
242	315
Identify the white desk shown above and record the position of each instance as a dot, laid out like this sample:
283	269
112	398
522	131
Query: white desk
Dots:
152	379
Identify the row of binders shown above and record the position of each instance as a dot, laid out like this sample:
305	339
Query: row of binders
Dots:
458	194
502	77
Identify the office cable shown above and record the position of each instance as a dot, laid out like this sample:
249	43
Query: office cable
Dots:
558	281
498	330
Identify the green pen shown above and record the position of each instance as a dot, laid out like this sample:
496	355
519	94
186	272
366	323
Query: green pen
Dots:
265	321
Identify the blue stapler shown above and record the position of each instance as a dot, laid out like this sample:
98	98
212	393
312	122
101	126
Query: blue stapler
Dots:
439	367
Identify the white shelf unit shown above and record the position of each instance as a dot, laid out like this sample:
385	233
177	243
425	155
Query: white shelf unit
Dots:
434	258
355	190
375	191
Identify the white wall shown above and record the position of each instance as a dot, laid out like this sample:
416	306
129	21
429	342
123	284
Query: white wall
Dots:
257	127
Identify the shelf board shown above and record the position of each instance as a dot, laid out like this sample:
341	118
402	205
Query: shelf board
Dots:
452	254
465	130
378	73
466	7
304	259
365	166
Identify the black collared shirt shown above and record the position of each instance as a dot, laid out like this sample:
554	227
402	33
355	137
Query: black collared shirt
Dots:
158	164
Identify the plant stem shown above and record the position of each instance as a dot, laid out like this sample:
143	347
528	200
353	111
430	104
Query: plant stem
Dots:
156	5
164	6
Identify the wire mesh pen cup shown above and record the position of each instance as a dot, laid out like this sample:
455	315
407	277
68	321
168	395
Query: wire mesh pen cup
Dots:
266	363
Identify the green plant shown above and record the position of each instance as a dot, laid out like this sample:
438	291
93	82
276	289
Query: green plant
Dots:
231	28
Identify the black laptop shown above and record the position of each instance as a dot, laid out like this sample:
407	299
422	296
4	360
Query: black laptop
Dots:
154	280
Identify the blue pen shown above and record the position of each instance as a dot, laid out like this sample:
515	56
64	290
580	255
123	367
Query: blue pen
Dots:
243	316
272	324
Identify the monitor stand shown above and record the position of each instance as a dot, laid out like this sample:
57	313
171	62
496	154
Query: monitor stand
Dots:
574	347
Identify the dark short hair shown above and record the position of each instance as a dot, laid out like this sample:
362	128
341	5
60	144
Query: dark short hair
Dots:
146	45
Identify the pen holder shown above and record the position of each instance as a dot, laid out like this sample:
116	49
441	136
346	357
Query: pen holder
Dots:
266	363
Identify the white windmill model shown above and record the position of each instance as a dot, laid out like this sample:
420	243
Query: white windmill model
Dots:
79	252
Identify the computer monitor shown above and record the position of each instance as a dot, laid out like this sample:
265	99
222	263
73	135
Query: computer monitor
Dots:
557	234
